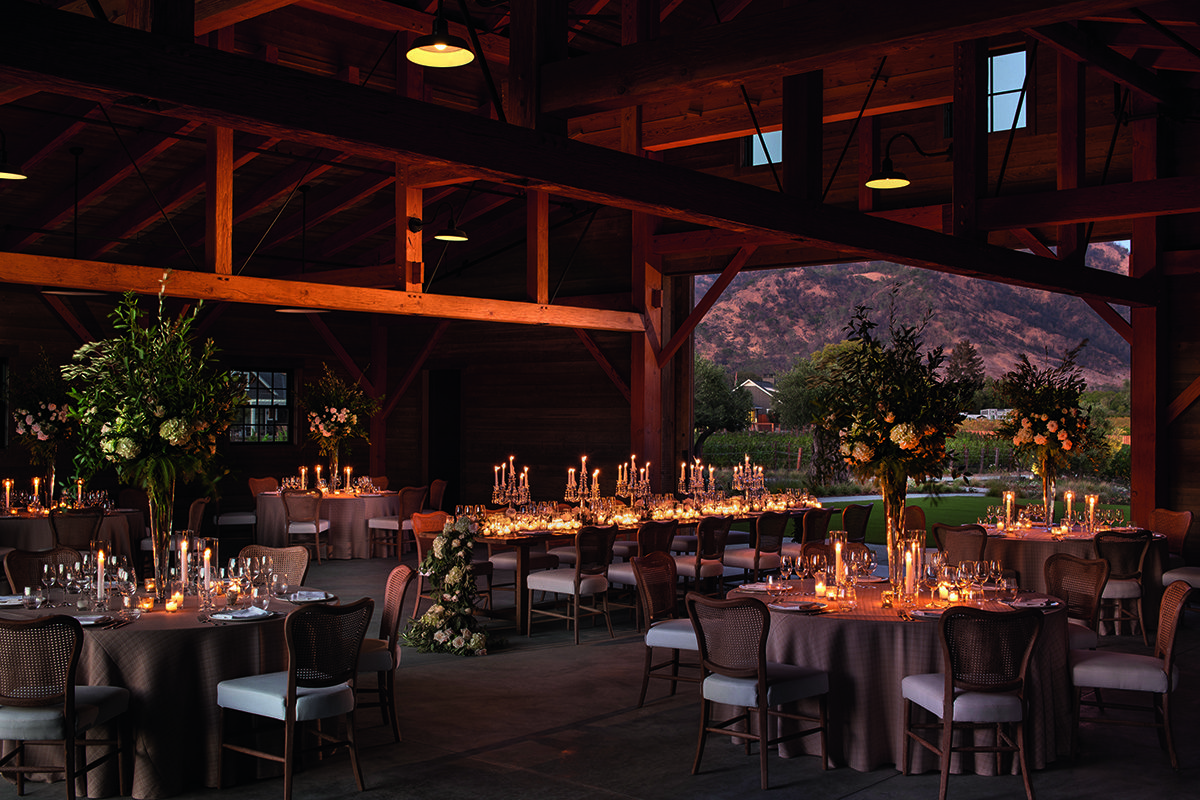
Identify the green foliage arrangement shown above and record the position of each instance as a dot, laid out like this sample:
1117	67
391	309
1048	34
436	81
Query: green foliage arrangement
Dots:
890	405
336	410
148	401
41	411
1046	420
449	626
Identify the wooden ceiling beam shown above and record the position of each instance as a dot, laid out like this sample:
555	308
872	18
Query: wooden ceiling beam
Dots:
71	54
752	48
31	270
1072	42
213	15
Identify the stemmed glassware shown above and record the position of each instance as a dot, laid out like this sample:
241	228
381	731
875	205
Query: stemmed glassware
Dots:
49	580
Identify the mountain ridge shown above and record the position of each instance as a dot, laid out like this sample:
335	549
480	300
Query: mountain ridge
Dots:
766	320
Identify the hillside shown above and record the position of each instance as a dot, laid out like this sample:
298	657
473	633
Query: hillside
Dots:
766	320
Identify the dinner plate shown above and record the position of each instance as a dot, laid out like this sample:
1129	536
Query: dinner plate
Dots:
795	605
1033	602
323	598
222	616
90	620
872	579
753	587
927	613
11	600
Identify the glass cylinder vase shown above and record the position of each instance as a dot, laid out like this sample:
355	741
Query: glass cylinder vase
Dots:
893	485
161	494
333	466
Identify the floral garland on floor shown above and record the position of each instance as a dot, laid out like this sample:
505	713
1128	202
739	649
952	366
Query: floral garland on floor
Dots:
450	625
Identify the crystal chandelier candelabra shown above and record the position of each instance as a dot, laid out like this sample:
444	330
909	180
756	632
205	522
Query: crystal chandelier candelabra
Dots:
691	479
579	490
510	487
633	481
749	479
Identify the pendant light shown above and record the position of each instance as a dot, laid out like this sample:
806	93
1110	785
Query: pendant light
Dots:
440	48
7	172
888	177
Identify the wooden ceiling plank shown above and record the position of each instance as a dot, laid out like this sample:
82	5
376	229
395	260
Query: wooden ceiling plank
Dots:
11	94
142	149
72	54
35	270
753	47
1113	201
213	15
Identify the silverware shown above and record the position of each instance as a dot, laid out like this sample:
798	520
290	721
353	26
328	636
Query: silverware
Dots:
118	624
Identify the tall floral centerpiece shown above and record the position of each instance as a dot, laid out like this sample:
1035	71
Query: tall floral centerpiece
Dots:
892	410
151	403
40	413
1046	422
336	411
450	625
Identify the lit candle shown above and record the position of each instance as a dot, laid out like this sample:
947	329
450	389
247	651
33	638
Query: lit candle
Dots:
37	483
910	574
571	477
1009	499
595	478
496	477
1091	510
100	576
317	470
183	559
7	492
79	493
146	603
1069	496
710	473
633	468
502	468
952	597
682	471
943	591
348	471
304	477
838	568
819	589
207	570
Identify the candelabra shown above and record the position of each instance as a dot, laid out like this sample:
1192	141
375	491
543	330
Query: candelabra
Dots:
580	490
749	479
511	488
691	480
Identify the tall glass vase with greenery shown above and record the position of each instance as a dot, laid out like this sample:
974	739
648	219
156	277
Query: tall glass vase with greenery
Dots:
1046	423
892	410
151	403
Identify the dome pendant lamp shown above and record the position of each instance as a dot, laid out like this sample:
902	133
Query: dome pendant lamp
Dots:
440	48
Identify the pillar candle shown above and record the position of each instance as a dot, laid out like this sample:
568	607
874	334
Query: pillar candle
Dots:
37	484
502	467
682	471
1070	498
838	568
304	477
100	576
910	574
183	559
348	471
496	476
207	570
7	492
79	492
571	476
317	470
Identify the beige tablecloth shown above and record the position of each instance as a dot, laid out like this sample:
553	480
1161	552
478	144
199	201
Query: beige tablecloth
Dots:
1028	552
123	527
171	664
348	535
867	652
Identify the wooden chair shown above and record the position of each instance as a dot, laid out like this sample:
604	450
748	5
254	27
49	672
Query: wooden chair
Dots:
764	555
382	655
40	702
387	533
78	529
1125	553
914	519
1158	676
653	537
815	525
291	562
425	528
437	493
960	543
380	482
247	518
983	685
1078	582
196	515
732	635
854	521
587	578
1175	526
24	567
708	562
656	583
303	523
323	643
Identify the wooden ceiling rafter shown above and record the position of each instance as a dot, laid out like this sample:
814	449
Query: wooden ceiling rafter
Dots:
335	345
684	332
605	365
1072	42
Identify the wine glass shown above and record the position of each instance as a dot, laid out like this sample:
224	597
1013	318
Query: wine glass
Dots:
49	579
776	586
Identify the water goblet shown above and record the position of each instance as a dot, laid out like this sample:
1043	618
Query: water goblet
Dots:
49	579
776	586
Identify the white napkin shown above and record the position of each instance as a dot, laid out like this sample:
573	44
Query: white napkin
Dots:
92	619
1033	602
307	596
252	612
11	599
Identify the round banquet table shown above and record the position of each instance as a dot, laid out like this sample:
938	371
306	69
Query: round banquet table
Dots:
869	650
171	665
1026	553
348	535
124	527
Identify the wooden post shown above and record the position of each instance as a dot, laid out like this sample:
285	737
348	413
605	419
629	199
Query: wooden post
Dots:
537	246
218	201
379	365
802	142
970	136
1148	472
1071	135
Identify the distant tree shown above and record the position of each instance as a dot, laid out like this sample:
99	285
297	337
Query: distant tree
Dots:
965	366
798	396
717	404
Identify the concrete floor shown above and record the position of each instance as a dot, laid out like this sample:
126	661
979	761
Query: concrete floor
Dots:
543	718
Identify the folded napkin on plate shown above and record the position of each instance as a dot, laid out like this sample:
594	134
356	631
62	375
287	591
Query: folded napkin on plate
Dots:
307	597
753	587
242	613
1033	602
11	599
92	619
